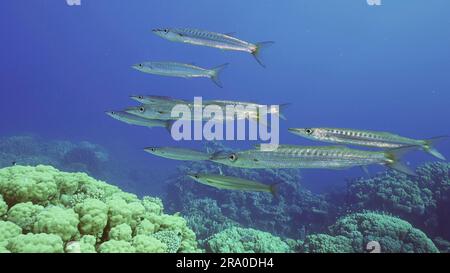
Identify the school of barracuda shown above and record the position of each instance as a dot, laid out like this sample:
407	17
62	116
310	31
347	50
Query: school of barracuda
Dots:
155	111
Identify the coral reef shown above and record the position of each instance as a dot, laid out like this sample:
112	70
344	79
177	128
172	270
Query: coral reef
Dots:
246	240
45	210
292	214
353	232
423	200
65	155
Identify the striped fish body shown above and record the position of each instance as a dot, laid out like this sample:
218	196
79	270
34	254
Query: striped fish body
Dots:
205	38
174	69
177	153
357	137
303	157
136	120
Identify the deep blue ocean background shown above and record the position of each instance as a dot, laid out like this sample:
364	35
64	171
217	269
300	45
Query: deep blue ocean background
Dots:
339	63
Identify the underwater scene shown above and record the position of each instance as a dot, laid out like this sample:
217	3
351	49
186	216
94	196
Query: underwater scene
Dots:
225	126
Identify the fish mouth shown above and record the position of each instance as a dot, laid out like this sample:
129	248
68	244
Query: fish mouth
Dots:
295	130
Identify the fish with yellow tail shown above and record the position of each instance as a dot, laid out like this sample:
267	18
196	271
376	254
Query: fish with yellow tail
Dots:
213	39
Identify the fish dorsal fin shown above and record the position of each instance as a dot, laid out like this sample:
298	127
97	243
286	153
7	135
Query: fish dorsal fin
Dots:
230	33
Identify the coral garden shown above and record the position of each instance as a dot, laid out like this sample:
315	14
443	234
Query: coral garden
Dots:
46	210
423	200
43	209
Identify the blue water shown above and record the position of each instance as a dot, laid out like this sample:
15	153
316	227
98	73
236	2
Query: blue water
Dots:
340	64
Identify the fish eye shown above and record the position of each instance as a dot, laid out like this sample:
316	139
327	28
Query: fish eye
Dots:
166	30
232	157
140	65
309	131
141	109
141	97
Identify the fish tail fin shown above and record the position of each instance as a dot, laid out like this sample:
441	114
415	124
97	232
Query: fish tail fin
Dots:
281	110
429	143
393	157
257	51
169	124
215	76
274	189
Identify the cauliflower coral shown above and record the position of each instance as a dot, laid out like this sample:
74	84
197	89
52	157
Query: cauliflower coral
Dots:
353	232
246	240
45	210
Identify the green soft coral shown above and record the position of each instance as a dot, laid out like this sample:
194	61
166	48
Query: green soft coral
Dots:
77	213
114	246
145	227
3	206
58	221
22	184
148	244
8	231
121	232
36	243
353	232
246	240
93	216
324	243
24	215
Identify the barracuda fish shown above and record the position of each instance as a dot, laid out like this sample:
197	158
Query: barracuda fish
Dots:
233	183
173	69
321	157
136	120
249	106
178	153
368	138
164	112
212	39
155	107
157	100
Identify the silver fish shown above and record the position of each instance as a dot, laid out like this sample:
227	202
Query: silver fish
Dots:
233	183
181	70
212	39
178	153
157	100
367	138
136	120
322	157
